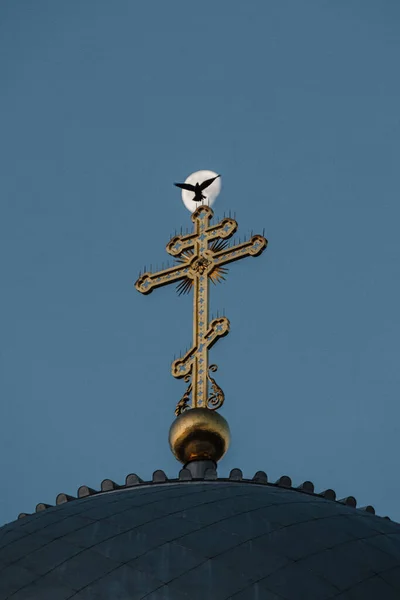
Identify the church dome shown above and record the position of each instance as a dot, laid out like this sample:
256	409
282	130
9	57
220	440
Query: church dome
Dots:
203	538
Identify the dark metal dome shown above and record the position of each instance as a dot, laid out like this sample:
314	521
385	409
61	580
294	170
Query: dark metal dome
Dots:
201	539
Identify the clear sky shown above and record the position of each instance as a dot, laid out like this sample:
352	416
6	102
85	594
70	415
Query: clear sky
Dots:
104	105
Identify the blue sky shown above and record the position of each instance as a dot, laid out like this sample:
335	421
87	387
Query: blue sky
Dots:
102	106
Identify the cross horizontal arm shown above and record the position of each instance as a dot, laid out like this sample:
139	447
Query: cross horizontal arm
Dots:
218	328
179	243
252	247
183	366
224	229
149	281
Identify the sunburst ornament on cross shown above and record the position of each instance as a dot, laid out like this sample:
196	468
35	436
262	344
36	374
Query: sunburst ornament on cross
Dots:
201	257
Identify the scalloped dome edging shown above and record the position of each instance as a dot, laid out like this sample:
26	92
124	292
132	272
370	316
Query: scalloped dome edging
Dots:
236	474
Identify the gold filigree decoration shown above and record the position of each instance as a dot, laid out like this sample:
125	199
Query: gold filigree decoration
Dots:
217	398
183	403
200	265
214	401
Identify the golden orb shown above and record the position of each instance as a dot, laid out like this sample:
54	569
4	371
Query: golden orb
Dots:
199	434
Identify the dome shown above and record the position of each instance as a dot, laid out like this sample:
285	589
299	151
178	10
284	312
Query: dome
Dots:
201	538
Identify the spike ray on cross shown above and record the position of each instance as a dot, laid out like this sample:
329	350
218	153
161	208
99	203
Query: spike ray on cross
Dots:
198	263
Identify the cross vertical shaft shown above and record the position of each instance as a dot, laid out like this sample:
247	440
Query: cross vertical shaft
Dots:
200	318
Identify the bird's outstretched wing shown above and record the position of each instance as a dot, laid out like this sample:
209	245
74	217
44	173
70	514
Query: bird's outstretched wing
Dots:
185	186
208	182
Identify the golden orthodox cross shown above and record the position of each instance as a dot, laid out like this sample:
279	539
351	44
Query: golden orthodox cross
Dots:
201	257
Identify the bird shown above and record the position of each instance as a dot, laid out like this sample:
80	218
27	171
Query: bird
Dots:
197	189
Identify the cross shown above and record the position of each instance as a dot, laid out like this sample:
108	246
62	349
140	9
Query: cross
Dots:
202	256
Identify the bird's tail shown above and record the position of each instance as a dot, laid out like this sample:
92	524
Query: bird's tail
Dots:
199	197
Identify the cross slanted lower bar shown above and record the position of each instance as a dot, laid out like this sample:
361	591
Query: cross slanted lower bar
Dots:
201	259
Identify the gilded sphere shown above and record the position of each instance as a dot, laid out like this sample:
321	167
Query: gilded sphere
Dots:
199	434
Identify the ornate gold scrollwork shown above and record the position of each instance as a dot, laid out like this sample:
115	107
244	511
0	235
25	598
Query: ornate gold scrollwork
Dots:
217	398
183	403
200	265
